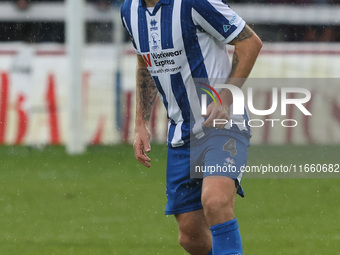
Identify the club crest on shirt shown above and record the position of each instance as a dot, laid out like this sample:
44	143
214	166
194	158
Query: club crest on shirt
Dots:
154	41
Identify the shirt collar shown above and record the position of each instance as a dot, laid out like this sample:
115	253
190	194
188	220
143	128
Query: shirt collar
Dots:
158	5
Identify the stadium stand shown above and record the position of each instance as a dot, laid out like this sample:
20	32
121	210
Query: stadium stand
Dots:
279	20
34	80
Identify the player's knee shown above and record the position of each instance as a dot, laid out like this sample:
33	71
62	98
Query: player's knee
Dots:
194	244
185	241
214	206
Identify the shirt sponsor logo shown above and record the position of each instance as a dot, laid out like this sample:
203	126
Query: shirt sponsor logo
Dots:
232	21
147	60
166	54
226	28
161	59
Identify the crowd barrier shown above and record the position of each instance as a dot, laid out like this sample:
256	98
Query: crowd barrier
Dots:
34	95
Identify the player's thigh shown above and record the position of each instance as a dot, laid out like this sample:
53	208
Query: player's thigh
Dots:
226	156
221	187
218	199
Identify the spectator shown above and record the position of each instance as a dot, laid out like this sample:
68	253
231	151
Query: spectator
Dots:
319	34
22	4
105	4
101	4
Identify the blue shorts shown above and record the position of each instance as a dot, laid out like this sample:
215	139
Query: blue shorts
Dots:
220	153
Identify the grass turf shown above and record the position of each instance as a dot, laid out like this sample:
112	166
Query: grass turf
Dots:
103	202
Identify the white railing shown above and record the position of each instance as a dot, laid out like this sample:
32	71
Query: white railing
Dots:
289	14
252	13
52	11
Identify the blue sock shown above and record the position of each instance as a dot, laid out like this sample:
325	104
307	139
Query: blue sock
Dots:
226	238
210	252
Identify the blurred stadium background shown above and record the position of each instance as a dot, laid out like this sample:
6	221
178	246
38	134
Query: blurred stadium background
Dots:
101	201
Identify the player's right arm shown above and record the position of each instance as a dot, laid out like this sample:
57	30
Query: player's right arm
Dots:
146	93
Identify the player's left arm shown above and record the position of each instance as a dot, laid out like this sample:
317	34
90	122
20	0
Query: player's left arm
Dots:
247	47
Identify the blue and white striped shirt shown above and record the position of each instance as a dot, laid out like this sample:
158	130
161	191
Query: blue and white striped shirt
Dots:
181	41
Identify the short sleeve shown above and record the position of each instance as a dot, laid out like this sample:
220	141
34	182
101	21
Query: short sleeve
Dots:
125	13
218	19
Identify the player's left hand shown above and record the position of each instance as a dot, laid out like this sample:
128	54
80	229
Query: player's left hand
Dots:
216	112
141	144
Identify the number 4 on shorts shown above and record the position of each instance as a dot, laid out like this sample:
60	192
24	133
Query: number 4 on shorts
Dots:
230	146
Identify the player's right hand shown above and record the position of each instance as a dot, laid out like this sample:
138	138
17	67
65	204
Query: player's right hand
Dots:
141	146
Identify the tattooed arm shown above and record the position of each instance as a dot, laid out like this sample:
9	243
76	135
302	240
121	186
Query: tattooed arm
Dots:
247	47
146	93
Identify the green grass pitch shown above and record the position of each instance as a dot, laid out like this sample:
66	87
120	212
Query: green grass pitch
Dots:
104	202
